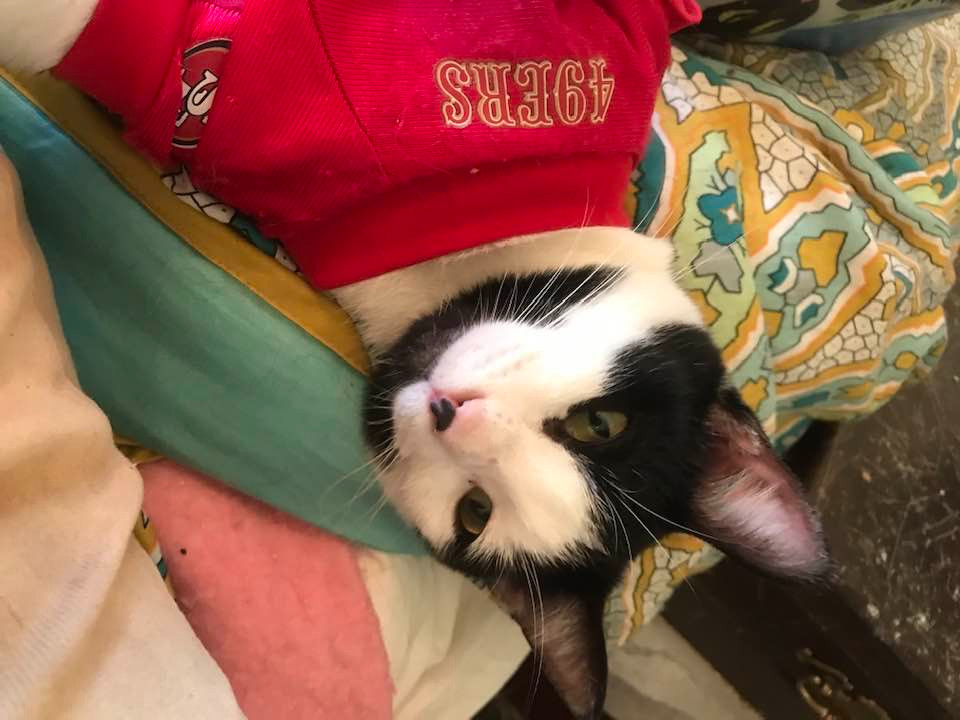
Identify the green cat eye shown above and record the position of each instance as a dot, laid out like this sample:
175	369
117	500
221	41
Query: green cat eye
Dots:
473	511
594	426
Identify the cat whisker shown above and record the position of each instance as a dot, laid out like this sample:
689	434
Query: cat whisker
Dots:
513	295
553	277
560	307
623	527
602	287
671	220
614	515
610	280
692	267
377	458
536	298
387	458
621	491
531	308
377	508
370	483
627	495
586	216
496	300
654	204
536	643
385	421
642	523
385	408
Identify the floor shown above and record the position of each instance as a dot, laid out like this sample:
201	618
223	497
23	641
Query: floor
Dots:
890	500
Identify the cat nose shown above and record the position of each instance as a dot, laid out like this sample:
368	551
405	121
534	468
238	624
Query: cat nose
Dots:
443	410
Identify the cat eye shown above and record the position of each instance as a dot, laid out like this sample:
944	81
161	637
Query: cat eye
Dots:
594	426
473	511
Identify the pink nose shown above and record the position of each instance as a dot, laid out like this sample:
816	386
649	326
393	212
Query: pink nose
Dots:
444	406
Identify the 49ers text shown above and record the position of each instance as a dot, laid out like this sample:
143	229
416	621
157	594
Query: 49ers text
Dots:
529	94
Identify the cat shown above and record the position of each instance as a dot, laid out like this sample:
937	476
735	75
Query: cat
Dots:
543	408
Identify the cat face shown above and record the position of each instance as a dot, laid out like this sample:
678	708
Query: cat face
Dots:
518	376
540	429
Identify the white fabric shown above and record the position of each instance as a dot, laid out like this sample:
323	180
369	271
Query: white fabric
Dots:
87	627
450	647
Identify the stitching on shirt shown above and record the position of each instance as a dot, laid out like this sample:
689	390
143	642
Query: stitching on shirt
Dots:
343	94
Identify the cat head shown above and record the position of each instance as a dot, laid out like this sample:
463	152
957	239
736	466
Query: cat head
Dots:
540	429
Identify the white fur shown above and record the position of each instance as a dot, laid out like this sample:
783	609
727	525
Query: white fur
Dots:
35	35
518	375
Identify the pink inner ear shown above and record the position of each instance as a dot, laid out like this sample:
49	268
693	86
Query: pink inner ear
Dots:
753	505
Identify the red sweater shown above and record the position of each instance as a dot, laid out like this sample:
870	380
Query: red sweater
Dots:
367	136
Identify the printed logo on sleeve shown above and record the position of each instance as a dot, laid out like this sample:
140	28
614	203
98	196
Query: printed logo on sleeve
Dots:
528	94
199	78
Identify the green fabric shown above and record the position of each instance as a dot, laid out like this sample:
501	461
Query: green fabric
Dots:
183	358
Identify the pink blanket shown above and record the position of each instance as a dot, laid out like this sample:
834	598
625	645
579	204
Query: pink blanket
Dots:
279	604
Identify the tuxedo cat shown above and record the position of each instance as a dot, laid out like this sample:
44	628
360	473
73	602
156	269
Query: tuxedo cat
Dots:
541	409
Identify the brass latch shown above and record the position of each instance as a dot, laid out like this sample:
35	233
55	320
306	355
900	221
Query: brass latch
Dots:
831	695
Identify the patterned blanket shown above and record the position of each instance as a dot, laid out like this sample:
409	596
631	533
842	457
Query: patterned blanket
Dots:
815	207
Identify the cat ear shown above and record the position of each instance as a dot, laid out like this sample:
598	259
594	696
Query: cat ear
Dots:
567	632
749	504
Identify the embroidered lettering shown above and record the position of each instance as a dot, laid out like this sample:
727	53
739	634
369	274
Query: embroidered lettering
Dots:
490	80
531	77
568	96
602	86
452	77
528	94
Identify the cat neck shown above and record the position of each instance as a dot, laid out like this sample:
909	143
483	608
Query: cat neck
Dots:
384	307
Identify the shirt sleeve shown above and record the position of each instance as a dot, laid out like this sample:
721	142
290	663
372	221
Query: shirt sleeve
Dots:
87	627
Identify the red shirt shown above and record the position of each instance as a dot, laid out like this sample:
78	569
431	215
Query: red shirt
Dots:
367	136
